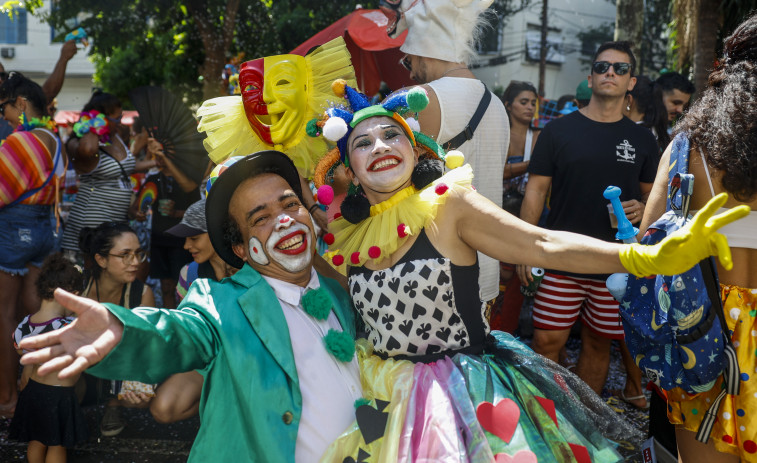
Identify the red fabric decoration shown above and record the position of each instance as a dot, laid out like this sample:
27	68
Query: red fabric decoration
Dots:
338	260
328	238
402	230
374	252
500	420
549	407
355	258
581	453
441	189
337	215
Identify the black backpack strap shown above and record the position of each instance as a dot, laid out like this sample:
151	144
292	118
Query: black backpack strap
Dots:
731	372
467	133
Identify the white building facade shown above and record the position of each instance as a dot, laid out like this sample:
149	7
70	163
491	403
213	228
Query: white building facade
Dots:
515	55
26	45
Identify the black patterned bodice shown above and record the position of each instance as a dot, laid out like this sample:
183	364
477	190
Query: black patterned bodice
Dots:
421	307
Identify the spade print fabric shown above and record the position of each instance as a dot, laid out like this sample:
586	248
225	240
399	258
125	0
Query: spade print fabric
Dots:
409	309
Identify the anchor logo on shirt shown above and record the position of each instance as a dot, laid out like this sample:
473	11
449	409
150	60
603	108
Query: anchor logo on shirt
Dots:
625	152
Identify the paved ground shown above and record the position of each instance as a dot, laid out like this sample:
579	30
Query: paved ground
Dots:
145	441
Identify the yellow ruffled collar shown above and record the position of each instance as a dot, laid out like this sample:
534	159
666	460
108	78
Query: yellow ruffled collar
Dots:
391	221
398	197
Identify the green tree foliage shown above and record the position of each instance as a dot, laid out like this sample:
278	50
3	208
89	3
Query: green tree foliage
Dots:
183	45
298	20
179	44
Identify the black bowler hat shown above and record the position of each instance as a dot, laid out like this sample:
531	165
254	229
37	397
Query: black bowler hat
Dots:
224	181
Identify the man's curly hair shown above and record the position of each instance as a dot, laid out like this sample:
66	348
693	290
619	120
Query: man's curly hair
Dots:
723	121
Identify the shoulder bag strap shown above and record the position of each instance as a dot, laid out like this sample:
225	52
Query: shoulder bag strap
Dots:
123	171
470	129
731	372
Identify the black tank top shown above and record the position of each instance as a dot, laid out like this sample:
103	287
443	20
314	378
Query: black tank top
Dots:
423	307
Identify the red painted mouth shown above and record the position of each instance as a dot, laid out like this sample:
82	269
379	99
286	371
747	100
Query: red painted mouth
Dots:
293	243
384	163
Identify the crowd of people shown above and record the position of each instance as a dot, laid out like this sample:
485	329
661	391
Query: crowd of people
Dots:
436	204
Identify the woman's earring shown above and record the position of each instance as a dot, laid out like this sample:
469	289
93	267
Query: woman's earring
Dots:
353	189
628	107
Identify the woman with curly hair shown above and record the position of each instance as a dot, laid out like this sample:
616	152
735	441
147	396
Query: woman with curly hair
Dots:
721	128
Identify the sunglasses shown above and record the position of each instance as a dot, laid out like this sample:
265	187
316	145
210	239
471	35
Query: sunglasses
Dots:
405	62
600	67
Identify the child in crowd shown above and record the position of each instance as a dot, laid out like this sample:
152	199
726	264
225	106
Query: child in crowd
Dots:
48	415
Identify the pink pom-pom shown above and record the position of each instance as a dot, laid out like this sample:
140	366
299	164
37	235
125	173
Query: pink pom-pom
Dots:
325	195
355	258
337	260
441	189
328	238
402	230
374	252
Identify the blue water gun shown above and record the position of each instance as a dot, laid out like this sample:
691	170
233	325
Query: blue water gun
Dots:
79	35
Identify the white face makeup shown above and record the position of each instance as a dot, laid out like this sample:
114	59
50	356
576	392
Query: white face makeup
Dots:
256	252
381	157
289	244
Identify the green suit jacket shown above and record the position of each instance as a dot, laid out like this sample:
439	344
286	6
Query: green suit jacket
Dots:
235	333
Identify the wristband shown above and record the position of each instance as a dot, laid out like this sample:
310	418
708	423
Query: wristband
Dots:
310	209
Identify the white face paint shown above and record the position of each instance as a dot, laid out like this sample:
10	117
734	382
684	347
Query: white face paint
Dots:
256	252
290	244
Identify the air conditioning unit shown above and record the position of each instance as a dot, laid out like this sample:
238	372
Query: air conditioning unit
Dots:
8	53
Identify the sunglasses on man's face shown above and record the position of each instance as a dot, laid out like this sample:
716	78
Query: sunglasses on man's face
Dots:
405	62
601	67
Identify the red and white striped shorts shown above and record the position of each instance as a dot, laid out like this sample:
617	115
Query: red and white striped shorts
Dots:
560	298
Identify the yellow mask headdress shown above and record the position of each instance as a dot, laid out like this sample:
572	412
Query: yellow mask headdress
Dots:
279	95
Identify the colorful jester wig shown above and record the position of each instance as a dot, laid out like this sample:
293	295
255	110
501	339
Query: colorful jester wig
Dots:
279	94
338	121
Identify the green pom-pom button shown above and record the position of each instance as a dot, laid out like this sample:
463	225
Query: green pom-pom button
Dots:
317	304
340	345
362	401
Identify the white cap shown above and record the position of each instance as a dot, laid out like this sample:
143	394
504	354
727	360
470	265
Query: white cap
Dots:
441	29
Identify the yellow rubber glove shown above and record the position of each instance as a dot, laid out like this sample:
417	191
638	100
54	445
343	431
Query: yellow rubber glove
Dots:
684	248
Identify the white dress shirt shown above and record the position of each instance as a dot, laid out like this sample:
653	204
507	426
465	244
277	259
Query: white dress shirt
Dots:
329	387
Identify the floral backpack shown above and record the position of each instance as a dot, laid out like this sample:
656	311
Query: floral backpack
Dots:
674	325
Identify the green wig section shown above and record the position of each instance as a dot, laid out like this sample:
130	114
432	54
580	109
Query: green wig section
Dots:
430	143
370	111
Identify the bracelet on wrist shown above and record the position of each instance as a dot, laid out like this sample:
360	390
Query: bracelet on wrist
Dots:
310	209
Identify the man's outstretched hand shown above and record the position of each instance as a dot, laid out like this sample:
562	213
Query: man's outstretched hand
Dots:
78	346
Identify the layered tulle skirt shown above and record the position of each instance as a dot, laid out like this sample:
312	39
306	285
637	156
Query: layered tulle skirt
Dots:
508	403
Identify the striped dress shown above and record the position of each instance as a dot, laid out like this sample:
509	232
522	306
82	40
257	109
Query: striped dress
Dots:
25	163
104	196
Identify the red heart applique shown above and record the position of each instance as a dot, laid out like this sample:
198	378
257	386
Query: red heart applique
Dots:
581	453
524	456
549	407
500	420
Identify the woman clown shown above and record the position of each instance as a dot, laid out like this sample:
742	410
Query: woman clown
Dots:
441	386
